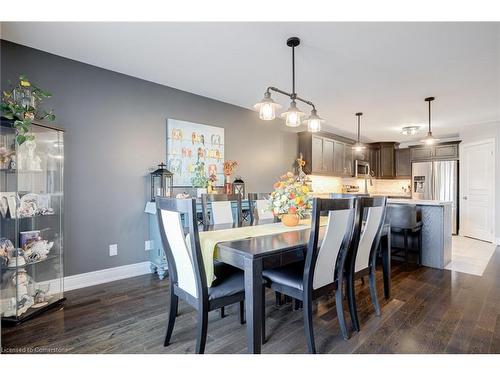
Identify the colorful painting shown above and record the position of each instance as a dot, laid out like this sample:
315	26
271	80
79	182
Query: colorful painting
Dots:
188	143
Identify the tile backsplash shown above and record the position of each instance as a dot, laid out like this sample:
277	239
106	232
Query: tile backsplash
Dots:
326	184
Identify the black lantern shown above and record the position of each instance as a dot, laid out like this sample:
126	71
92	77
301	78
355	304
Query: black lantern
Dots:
239	187
161	182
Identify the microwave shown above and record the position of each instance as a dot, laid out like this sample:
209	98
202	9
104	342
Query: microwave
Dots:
361	169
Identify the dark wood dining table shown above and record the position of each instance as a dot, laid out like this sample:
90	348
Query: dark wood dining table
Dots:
252	255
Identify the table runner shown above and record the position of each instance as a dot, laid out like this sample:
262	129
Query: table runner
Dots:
210	239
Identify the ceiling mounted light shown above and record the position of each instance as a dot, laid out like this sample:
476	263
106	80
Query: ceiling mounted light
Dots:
267	107
410	130
429	138
314	122
293	116
358	146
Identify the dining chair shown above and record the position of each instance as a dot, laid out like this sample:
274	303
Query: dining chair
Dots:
368	226
322	270
187	273
217	209
259	207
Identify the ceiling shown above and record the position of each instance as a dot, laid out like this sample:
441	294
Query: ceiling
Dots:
382	69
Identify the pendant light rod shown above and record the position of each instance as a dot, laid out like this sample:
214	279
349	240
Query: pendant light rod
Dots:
429	100
359	114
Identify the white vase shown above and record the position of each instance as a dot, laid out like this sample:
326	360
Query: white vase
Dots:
200	191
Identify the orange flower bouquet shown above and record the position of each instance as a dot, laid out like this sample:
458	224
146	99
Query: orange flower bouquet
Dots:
290	197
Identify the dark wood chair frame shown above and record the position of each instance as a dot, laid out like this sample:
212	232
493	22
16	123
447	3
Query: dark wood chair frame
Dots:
307	295
363	203
252	198
207	199
202	303
407	231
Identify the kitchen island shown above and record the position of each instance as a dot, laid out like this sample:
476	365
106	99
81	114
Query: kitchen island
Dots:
436	218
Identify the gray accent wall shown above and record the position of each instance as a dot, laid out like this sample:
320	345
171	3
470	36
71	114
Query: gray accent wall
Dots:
115	131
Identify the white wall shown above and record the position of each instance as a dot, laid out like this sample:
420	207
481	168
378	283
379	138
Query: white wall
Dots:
476	133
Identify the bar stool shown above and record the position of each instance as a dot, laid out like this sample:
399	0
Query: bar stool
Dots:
404	221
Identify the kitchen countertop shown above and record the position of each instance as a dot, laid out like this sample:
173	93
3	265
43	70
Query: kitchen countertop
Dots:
420	202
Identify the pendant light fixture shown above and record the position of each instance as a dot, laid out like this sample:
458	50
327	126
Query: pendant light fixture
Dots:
293	116
429	138
358	146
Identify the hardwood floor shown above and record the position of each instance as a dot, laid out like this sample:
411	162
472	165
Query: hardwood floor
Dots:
431	311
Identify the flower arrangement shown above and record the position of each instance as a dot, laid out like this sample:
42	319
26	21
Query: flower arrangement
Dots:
290	196
21	104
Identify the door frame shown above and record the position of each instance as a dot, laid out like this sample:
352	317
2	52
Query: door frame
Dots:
463	175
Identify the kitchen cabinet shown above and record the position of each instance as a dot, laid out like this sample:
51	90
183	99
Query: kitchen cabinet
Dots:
326	154
403	163
387	163
440	151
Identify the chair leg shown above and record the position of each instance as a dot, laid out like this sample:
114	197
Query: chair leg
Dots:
419	237
308	325
242	312
351	297
174	302
222	312
405	236
263	315
362	280
340	311
278	299
201	338
373	291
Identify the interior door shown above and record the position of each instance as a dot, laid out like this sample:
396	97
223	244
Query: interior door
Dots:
477	170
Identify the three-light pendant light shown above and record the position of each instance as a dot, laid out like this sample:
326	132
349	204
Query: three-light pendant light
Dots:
293	116
429	139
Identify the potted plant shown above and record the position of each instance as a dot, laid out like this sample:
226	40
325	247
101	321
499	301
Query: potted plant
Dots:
290	200
199	179
22	105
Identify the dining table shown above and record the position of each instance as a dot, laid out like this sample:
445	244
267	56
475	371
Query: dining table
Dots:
254	254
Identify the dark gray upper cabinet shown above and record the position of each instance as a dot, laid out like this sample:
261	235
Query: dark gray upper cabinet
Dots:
374	159
440	151
387	163
403	163
326	154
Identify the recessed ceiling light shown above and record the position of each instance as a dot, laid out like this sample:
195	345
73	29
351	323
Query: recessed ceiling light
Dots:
410	130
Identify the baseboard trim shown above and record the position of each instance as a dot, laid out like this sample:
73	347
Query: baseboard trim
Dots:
106	275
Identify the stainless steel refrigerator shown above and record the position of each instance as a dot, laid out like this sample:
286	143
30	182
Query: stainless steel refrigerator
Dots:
437	180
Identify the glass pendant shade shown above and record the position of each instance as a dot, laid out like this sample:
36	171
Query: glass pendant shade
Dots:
267	108
314	122
358	146
429	139
293	116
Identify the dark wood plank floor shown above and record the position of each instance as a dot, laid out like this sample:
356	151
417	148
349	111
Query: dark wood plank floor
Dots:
431	311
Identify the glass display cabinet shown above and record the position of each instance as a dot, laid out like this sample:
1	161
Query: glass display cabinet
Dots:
31	228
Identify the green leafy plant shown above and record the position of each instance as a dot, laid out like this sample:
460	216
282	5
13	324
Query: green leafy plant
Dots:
22	104
199	180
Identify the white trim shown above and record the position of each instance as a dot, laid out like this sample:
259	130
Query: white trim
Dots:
106	275
498	241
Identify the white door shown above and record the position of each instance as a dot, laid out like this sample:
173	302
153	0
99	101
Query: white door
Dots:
477	191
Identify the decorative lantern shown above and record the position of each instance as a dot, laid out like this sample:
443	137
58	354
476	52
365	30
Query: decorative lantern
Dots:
161	182
239	187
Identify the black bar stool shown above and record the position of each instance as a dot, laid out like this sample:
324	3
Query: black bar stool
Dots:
404	221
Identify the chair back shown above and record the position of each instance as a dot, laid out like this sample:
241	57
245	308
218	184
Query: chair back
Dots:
221	211
259	207
325	262
402	216
185	262
370	218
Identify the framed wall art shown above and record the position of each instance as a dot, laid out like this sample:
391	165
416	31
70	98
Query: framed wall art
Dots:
189	143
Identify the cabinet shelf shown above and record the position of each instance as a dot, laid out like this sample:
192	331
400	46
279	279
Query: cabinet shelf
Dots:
50	257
